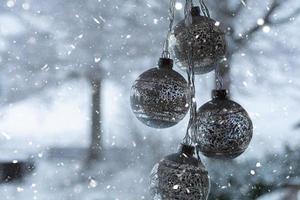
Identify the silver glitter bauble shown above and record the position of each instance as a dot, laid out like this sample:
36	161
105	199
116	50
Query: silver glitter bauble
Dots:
223	127
180	176
206	40
160	96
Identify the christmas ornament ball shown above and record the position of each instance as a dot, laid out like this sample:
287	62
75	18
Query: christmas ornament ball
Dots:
223	127
180	176
203	41
160	96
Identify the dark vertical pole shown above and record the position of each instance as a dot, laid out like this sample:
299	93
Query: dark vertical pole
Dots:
96	148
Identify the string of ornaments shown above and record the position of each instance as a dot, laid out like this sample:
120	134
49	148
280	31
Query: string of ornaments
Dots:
161	98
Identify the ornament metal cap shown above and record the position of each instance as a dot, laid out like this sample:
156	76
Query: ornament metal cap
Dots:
184	156
195	11
187	150
165	63
220	94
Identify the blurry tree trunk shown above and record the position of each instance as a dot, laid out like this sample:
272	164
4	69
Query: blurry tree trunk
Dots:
95	148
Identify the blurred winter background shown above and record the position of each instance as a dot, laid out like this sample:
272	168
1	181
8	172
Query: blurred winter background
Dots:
66	68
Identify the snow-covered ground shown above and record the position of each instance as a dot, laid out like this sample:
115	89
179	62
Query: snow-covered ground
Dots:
61	118
65	180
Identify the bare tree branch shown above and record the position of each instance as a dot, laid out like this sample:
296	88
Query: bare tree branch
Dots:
287	18
240	7
267	18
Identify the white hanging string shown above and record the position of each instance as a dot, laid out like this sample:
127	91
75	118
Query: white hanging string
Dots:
166	52
219	78
191	77
204	8
187	12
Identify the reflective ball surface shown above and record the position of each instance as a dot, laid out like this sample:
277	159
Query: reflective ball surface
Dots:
180	176
206	40
223	127
160	96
